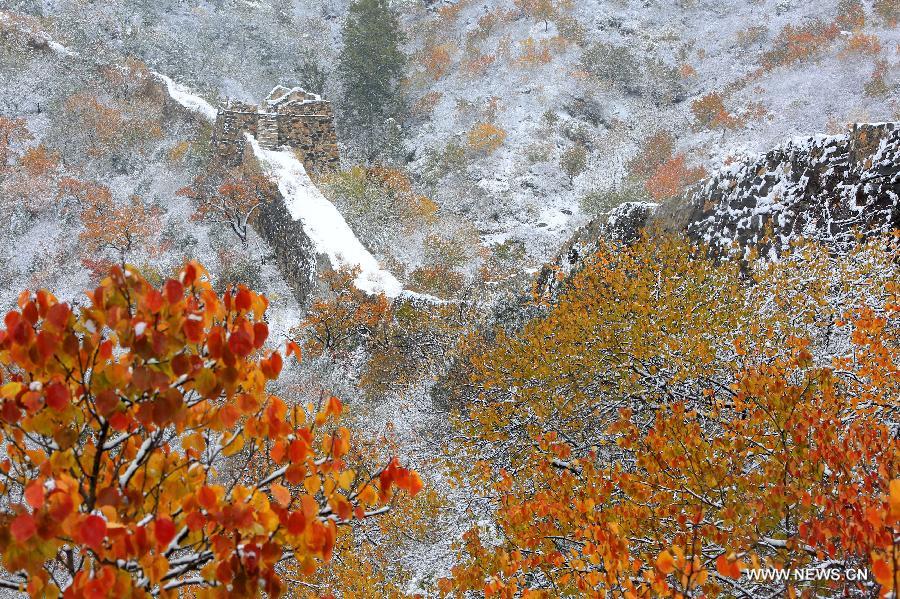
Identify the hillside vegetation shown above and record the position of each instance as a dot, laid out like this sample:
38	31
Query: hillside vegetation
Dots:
602	300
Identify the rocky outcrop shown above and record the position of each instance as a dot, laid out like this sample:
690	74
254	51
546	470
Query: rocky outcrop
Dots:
832	189
622	224
827	188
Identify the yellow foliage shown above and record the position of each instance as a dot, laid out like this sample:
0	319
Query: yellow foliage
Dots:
486	138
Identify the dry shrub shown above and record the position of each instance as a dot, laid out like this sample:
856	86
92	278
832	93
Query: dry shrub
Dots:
876	85
449	13
888	10
437	59
851	15
478	66
672	177
101	124
862	44
752	35
534	53
425	105
797	44
656	150
709	112
486	138
486	24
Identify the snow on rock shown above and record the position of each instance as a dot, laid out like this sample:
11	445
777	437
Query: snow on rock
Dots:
188	99
827	188
322	222
622	224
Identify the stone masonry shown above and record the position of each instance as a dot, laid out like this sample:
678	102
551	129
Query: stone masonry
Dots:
289	118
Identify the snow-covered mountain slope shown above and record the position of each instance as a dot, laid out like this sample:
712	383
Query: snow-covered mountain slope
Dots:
600	76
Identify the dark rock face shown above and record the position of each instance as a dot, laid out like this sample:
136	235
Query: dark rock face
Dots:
827	188
622	224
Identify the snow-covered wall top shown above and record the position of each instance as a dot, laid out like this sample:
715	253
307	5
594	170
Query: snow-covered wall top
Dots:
186	98
322	223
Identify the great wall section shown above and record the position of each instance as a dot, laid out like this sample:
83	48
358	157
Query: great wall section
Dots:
289	118
831	188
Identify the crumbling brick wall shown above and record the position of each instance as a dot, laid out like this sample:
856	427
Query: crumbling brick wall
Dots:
309	128
304	123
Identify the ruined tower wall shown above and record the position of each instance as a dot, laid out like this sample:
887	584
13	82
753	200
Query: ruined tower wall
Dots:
306	126
231	123
309	128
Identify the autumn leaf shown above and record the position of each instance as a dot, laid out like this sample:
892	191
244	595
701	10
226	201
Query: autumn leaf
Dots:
281	494
22	528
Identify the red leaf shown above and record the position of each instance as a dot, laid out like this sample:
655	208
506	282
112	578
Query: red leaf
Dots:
23	528
244	299
58	315
260	334
119	421
174	291
239	343
207	498
154	301
57	396
92	531
271	368
10	412
164	529
215	342
296	523
47	344
293	348
106	402
30	313
189	274
193	329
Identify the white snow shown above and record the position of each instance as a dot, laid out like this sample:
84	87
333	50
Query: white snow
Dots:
322	221
186	98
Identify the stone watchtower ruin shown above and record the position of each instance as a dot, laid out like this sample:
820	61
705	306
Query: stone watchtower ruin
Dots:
290	118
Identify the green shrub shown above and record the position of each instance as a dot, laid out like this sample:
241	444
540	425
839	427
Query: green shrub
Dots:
603	200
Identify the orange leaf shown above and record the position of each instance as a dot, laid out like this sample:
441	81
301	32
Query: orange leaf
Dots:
34	494
895	498
281	494
665	563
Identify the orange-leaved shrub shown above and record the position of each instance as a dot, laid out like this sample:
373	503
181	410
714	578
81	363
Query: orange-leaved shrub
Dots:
144	454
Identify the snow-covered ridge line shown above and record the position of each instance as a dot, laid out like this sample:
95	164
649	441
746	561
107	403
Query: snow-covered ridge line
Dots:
322	222
39	35
186	98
